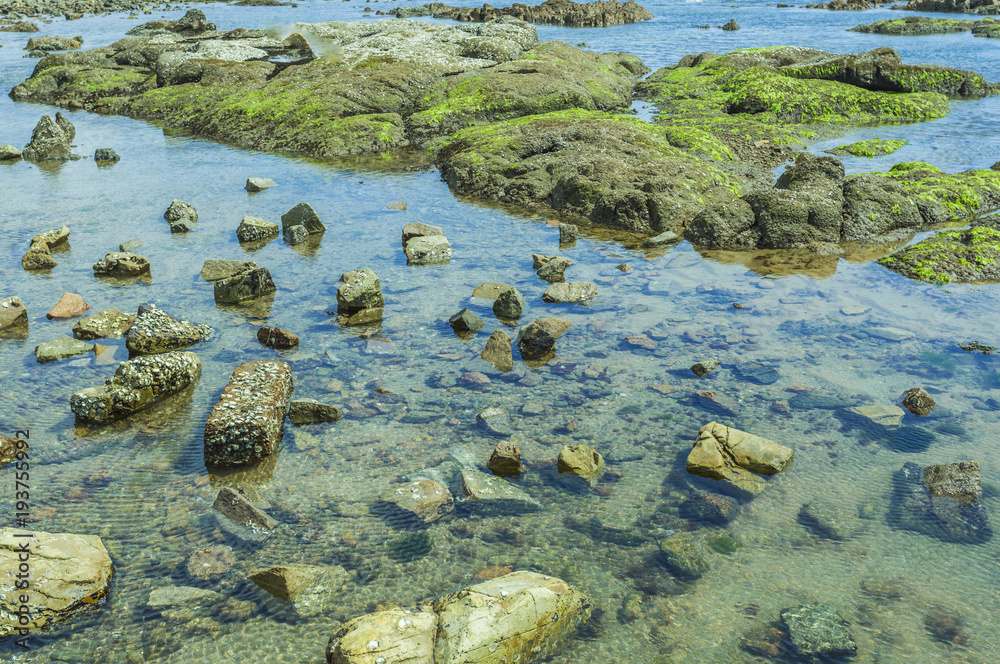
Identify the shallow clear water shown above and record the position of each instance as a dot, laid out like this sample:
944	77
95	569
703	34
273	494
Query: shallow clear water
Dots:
141	483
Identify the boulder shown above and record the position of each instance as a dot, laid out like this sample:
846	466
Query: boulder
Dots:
416	229
917	401
943	501
54	238
302	215
233	505
154	331
121	264
465	322
249	284
424	500
818	631
8	152
498	351
403	635
53	43
60	349
106	156
38	257
570	291
70	574
428	250
275	337
181	216
247	424
731	25
106	324
736	458
70	305
214	269
568	234
359	290
506	459
491	495
258	184
878	416
309	588
51	139
193	22
552	269
581	460
538	339
137	383
252	229
310	411
296	234
509	304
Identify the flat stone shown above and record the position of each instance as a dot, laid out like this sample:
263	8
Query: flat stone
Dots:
880	415
104	355
105	324
662	240
492	495
496	421
276	337
490	290
250	284
70	305
130	246
253	229
397	205
310	411
258	184
498	351
214	269
417	229
210	563
61	348
854	311
684	556
293	583
817	631
570	291
236	507
182	603
428	250
425	499
890	333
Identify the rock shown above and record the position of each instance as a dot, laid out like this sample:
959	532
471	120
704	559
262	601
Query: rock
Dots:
192	23
890	333
296	234
181	216
709	508
13	313
309	411
107	323
731	25
275	337
465	322
943	501
873	147
915	25
38	257
359	290
474	380
496	421
684	556
428	250
403	634
60	349
539	260
214	269
252	229
70	574
54	238
294	583
818	631
397	205
8	450
552	269
568	234
953	6
258	184
236	507
538	339
946	625
51	139
415	230
754	372
106	156
20	26
70	305
181	603
509	304
705	367
490	290
8	152
600	13
917	401
661	240
966	255
104	355
498	351
877	416
826	518
302	215
247	424
506	459
249	284
153	331
137	383
130	246
424	500
121	264
490	495
570	291
581	460
210	563
734	457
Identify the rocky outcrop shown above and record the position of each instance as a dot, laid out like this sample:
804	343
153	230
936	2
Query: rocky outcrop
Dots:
915	25
519	617
968	255
736	458
69	575
247	424
952	6
136	384
944	501
51	139
598	14
154	331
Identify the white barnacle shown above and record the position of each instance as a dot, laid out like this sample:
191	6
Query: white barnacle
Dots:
373	645
504	593
403	623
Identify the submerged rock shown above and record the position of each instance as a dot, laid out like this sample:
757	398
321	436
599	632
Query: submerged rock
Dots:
310	411
60	349
154	331
872	147
424	500
137	383
250	284
684	555
492	495
943	501
106	156
736	458
247	424
237	515
506	459
818	631
70	575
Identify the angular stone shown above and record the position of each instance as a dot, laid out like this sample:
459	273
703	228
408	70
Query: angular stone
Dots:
296	234
214	269
357	290
252	229
720	448
70	305
136	384
567	233
509	304
491	495
581	460
51	139
70	574
702	368
310	411
8	151
130	246
465	322
538	260
490	290
60	349
425	500
258	184
181	216
552	270
684	555
275	337
293	582
415	229
247	424
302	215
105	324
942	501
402	635
506	459
104	355
122	264
233	505
662	240
210	563
181	603
397	205
496	421
878	416
709	507
106	155
498	351
818	631
570	291
428	250
153	331
917	401
538	339
247	285
54	238
38	257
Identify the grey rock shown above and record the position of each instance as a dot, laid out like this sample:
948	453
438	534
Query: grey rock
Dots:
181	216
233	506
662	240
130	246
428	250
252	229
61	348
247	285
942	501
106	155
51	139
705	367
8	152
296	234
181	603
492	495
359	290
258	184
154	331
13	313
568	234
302	215
731	25
214	269
570	291
310	411
509	304
102	325
818	631
828	518
917	401
553	269
496	421
465	322
416	229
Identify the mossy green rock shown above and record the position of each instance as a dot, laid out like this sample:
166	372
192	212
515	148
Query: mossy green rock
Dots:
873	147
967	255
684	555
915	25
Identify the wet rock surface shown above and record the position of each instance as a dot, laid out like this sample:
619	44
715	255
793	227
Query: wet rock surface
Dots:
736	458
155	331
424	500
181	216
51	139
943	501
818	631
102	325
123	265
601	13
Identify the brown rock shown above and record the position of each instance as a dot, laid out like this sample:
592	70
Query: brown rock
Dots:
474	379
13	313
490	290
426	500
104	324
417	229
275	337
506	459
69	305
236	507
640	341
498	351
702	368
54	238
8	449
211	562
38	257
918	402
581	460
398	205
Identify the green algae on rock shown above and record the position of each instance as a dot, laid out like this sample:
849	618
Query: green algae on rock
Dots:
872	147
967	255
597	14
915	25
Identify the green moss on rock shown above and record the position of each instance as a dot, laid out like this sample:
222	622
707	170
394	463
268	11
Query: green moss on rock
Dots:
969	255
872	147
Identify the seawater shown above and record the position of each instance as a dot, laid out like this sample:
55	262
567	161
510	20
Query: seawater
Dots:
142	486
